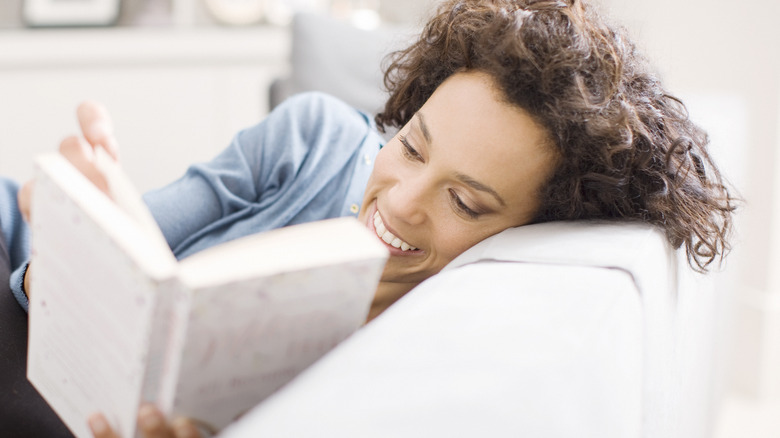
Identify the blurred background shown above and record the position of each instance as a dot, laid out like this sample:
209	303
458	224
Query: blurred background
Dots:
180	77
723	60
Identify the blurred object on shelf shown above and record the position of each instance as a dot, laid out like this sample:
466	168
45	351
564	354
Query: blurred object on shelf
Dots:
10	14
146	13
64	13
363	14
280	12
236	12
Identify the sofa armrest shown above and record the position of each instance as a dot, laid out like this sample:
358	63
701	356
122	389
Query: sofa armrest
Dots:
487	349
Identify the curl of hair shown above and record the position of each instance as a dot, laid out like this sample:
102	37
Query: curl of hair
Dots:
627	149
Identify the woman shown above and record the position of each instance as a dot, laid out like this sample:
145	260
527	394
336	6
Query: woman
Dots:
510	112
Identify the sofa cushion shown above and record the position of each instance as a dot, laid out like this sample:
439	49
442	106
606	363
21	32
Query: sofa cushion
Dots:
332	56
488	349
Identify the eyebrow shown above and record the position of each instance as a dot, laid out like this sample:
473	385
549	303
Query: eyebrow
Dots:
465	179
423	127
471	182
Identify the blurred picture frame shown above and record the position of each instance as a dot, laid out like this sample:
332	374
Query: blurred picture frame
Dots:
66	13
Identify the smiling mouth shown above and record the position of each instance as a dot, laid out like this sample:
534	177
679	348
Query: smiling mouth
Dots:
388	237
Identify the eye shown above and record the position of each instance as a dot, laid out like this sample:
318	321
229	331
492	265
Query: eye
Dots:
461	206
409	151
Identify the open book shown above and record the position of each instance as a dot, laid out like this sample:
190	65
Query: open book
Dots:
116	320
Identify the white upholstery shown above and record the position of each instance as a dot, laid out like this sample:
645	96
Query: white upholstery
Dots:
331	56
554	330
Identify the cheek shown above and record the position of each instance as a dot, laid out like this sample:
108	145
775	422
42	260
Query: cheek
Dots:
383	166
453	237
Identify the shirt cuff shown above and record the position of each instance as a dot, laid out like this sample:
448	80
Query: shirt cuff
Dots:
17	286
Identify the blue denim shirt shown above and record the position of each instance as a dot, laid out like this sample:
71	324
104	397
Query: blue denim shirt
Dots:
309	160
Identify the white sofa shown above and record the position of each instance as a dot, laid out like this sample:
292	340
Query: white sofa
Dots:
549	330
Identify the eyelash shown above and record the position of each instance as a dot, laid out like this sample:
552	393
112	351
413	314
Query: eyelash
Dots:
411	153
460	205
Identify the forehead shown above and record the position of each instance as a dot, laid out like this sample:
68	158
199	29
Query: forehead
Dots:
482	136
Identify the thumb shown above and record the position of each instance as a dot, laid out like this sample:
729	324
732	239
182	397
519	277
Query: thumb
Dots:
97	128
24	199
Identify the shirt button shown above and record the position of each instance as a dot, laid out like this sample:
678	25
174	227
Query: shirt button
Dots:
367	159
354	208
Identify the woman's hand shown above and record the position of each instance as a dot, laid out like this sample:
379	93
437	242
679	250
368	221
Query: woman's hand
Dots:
151	423
96	131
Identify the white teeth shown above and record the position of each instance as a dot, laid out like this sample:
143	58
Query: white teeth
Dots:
389	237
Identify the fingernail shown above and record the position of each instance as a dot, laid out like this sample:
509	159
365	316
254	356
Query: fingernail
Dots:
98	424
113	148
183	429
149	418
100	129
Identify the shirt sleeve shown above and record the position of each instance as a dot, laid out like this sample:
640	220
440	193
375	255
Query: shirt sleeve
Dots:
277	166
298	140
17	237
17	285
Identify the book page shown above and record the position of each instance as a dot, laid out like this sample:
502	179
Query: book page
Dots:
91	302
126	196
323	243
168	324
273	314
246	340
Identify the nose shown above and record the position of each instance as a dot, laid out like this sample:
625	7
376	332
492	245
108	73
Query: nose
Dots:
409	199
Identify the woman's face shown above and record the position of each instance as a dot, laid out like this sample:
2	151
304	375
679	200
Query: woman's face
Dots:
467	166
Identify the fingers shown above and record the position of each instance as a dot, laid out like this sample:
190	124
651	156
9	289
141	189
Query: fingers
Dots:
24	199
26	280
81	155
183	428
152	423
97	127
99	426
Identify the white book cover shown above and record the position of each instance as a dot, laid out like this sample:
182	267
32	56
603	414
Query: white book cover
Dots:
115	320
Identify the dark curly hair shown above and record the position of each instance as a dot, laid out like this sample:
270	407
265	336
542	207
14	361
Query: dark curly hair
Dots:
628	150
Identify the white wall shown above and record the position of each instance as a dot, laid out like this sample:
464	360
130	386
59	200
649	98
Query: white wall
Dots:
406	11
177	96
726	56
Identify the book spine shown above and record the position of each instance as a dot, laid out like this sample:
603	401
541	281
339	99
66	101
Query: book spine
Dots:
166	337
178	316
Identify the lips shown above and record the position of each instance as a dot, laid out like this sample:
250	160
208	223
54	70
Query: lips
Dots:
388	237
